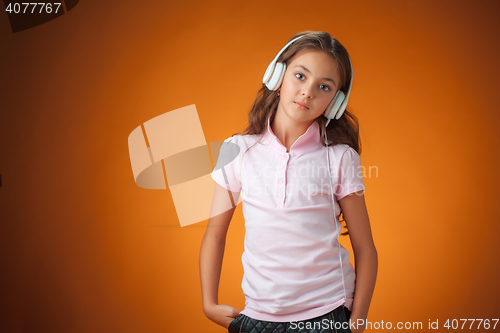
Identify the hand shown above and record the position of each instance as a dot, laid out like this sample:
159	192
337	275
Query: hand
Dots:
355	328
221	314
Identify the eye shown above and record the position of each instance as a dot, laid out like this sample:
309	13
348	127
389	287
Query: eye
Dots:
324	87
299	76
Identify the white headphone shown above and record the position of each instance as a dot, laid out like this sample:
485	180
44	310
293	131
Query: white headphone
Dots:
274	76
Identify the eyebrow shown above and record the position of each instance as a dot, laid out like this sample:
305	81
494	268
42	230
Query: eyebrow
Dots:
325	78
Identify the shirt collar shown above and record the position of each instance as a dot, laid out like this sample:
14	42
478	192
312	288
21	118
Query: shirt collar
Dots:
308	141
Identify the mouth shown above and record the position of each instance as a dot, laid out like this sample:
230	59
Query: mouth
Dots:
301	106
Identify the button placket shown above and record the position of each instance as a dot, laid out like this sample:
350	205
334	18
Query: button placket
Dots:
281	181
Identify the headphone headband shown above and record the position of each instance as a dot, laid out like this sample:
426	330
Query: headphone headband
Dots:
272	69
287	45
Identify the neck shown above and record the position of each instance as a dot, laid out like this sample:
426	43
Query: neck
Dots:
288	130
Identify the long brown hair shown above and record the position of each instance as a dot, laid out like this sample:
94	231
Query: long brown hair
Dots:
344	130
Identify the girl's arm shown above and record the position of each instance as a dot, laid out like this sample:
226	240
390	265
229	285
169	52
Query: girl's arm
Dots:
211	254
365	255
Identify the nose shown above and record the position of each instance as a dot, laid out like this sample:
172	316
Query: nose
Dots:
307	90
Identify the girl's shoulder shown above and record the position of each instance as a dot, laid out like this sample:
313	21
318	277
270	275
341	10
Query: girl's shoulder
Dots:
233	149
244	141
343	153
340	148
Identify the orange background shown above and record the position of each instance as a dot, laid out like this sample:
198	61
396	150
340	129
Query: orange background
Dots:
84	249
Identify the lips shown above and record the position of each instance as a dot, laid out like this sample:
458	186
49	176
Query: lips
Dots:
301	106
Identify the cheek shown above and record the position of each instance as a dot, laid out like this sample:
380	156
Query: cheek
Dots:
324	103
286	88
289	85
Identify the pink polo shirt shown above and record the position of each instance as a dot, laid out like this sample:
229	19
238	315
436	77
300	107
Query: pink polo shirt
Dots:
291	258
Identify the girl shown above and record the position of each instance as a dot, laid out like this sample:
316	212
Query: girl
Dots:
297	276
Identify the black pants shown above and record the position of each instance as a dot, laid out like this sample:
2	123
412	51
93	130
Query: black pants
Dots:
335	321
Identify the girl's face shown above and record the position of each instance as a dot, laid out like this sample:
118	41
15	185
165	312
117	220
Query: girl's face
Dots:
310	83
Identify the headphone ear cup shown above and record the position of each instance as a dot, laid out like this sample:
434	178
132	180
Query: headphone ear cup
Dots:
341	110
277	76
333	107
267	74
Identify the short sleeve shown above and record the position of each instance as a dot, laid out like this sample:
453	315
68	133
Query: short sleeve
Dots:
227	170
350	174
